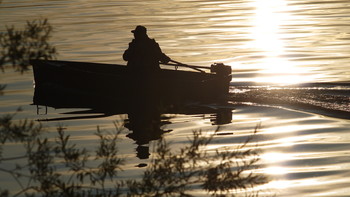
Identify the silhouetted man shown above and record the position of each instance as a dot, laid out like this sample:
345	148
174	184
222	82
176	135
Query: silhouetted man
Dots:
144	53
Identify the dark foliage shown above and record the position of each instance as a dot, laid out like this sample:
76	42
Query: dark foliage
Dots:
17	47
171	173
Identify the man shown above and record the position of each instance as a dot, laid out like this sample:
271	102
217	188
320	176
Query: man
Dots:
144	54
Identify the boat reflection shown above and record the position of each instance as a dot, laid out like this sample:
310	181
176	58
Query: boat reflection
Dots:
145	112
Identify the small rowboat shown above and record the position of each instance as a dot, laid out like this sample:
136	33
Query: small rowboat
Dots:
85	81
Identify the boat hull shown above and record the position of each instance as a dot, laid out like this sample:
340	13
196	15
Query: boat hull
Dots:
86	82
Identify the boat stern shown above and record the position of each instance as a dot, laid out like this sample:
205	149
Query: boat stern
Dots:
223	77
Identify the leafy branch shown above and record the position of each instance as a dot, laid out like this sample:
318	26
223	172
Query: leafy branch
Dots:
60	168
19	46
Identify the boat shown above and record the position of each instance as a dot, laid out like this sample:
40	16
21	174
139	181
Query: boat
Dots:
86	81
94	90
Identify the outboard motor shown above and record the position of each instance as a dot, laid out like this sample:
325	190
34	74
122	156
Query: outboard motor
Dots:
220	69
223	77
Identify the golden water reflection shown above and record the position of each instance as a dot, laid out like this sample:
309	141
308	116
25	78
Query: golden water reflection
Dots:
301	155
268	35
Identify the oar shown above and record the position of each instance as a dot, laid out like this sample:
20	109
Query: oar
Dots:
198	68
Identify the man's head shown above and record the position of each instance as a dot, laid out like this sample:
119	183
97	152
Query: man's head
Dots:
140	32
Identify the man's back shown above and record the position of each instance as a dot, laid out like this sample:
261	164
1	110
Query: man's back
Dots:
144	54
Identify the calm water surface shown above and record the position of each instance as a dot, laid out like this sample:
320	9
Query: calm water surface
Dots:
267	43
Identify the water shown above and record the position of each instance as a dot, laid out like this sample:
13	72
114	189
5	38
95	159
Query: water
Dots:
290	73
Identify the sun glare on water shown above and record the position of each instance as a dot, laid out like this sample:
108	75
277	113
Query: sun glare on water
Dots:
267	36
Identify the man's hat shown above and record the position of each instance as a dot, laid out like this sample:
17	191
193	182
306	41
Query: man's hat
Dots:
140	29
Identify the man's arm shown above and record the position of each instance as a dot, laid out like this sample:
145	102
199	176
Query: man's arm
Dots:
161	56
